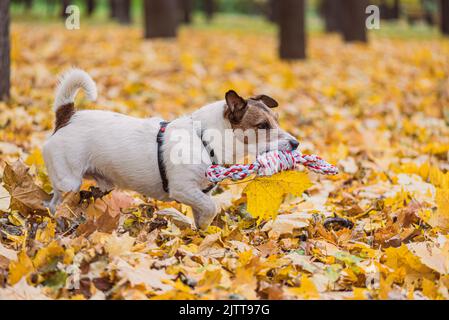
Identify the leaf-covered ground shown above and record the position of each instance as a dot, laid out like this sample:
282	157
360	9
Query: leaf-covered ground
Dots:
380	112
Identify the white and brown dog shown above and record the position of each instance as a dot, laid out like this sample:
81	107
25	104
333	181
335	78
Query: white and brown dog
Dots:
165	161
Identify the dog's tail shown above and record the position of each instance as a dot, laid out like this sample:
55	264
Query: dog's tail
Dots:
69	83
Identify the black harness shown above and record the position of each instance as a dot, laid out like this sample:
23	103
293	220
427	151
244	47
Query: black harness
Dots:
160	160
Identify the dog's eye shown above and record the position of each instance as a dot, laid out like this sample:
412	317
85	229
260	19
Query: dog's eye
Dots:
263	125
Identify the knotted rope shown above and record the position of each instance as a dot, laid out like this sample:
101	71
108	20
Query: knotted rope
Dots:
270	163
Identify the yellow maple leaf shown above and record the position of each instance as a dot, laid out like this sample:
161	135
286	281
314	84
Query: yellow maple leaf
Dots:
265	194
245	282
403	259
429	289
211	279
20	268
359	293
245	257
426	171
48	233
307	290
47	254
440	218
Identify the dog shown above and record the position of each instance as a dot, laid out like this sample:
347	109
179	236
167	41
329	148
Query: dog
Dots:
137	154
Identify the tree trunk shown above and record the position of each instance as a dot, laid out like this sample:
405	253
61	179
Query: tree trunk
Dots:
160	18
396	10
186	10
64	5
5	72
273	10
123	11
292	29
28	5
444	9
388	11
113	9
353	20
331	15
90	6
209	9
426	6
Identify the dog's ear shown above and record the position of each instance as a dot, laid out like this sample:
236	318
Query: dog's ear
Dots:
268	101
236	106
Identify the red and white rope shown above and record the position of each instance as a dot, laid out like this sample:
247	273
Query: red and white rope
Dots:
270	163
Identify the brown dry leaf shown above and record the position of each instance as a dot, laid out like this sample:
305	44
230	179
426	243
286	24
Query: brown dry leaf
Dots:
69	207
275	292
26	196
104	214
179	219
211	246
268	248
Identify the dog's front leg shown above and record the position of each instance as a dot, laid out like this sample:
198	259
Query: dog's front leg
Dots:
204	208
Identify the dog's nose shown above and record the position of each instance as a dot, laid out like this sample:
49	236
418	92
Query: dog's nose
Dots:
294	144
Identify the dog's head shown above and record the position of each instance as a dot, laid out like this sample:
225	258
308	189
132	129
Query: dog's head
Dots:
256	124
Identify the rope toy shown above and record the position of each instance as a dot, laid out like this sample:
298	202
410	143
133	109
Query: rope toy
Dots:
270	163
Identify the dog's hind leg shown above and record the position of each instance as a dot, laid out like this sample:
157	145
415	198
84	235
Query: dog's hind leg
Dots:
54	202
62	176
204	208
67	184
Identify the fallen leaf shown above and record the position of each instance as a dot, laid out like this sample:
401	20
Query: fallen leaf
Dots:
26	196
5	199
265	194
20	268
143	274
116	246
286	224
440	218
179	219
307	290
432	256
22	291
7	253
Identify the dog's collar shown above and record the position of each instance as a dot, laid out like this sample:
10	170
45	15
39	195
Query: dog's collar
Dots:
160	161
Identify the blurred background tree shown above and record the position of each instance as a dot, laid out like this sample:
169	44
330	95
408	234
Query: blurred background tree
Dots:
4	50
161	18
292	34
